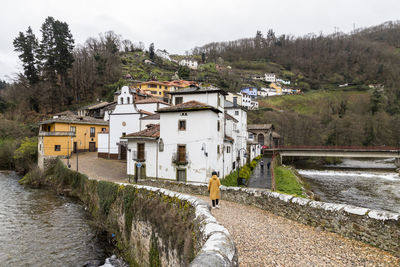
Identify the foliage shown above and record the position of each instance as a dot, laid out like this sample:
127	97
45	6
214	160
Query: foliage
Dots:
27	45
26	155
183	72
7	149
129	197
107	194
230	179
34	178
154	255
287	182
151	52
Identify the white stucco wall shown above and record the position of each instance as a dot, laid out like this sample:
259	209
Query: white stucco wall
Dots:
150	148
102	139
197	136
206	98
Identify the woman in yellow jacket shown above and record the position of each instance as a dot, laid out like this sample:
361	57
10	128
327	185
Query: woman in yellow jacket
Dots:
213	188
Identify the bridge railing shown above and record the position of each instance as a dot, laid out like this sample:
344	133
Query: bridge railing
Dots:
359	148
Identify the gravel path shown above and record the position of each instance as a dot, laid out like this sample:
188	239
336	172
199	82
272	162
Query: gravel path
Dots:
264	239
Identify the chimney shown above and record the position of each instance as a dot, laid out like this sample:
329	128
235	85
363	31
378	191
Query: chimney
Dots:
235	101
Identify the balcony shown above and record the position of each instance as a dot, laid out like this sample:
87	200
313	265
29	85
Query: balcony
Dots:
180	160
139	156
58	133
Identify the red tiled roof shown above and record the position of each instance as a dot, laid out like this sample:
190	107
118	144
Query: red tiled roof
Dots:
150	100
145	112
189	106
229	117
153	130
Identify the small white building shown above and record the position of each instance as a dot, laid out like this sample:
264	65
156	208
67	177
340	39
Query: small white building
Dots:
286	82
190	63
270	77
163	54
248	102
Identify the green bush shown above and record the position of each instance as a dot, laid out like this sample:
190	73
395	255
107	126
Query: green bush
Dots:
26	155
245	172
7	149
230	179
108	192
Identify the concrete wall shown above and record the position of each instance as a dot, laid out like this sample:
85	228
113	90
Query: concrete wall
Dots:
378	228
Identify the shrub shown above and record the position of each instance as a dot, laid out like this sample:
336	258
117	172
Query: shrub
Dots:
35	178
7	149
26	155
230	179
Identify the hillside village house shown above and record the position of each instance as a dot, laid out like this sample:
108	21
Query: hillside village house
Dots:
248	102
251	91
191	139
235	98
64	134
124	119
190	63
270	77
160	89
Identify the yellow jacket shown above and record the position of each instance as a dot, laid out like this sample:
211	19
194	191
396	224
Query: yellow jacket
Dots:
213	187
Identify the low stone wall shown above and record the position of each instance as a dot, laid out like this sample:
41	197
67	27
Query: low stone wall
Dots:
378	228
152	226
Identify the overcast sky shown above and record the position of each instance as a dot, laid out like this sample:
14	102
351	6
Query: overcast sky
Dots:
179	25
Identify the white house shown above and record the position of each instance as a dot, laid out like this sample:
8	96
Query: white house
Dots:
234	98
270	77
163	54
124	119
248	102
286	82
190	63
201	133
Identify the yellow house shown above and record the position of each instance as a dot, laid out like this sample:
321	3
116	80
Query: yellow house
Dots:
61	136
155	88
277	88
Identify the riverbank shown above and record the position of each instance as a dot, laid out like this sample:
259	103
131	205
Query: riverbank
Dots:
152	226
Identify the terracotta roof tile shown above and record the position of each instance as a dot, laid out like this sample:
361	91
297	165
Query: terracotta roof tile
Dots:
150	100
189	106
153	131
145	112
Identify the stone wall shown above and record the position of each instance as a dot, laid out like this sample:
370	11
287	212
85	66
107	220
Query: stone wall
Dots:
378	228
152	226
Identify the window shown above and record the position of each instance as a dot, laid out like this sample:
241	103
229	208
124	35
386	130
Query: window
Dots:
103	129
72	129
218	149
218	126
236	113
123	134
122	100
152	85
128	100
228	149
184	114
140	152
219	100
153	92
92	131
182	125
159	93
159	86
181	175
57	148
165	87
181	153
178	100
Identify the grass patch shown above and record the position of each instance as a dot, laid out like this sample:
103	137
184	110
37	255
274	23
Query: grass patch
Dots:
287	182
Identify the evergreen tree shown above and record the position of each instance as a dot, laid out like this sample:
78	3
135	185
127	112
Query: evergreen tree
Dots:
56	47
27	45
151	51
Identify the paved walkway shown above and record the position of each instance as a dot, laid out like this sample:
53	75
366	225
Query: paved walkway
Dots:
261	176
262	238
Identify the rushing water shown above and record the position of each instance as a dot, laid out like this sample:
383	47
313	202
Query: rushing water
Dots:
365	183
38	228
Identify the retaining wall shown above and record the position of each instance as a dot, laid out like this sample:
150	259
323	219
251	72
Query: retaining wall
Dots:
378	228
152	226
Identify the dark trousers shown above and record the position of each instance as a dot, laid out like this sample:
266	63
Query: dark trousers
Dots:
214	202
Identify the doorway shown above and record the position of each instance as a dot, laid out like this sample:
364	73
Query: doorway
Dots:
92	146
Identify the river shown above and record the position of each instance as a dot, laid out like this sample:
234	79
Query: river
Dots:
38	228
371	184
